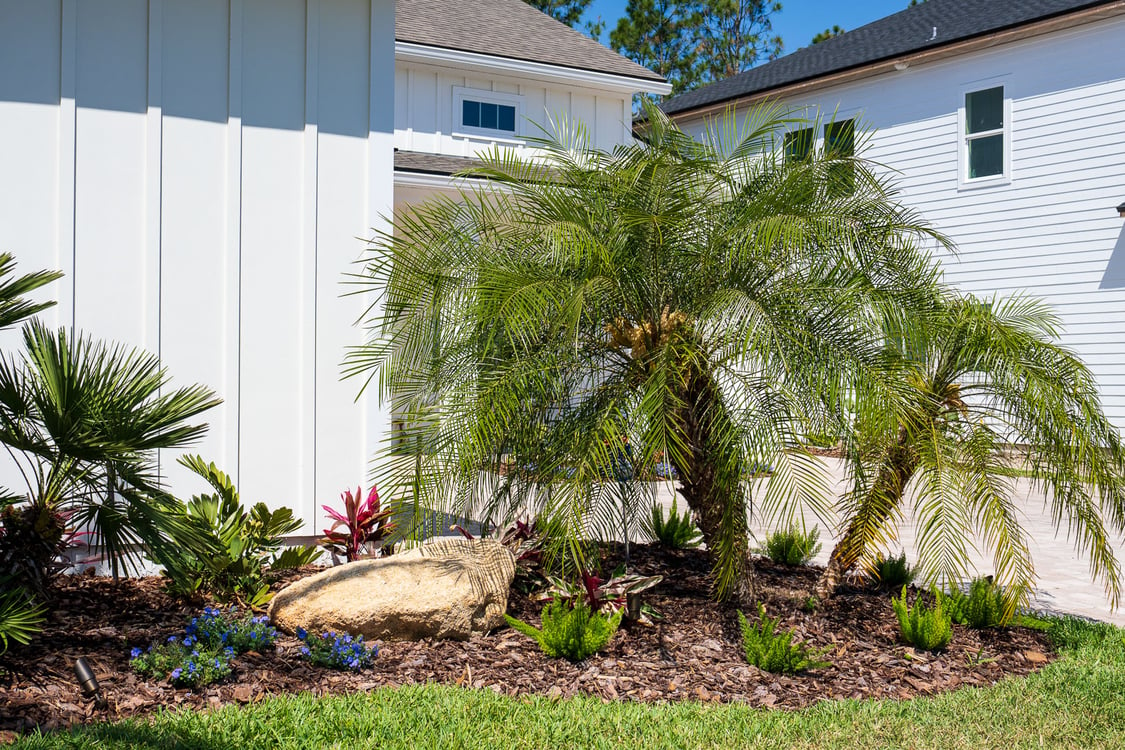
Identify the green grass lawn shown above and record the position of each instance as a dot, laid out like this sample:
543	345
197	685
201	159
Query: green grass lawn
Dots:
1076	702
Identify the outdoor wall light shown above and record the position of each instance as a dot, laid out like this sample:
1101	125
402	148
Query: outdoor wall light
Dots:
88	682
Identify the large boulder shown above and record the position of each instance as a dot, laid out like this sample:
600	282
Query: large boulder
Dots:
448	588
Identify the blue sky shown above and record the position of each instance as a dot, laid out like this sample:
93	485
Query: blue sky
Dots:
797	22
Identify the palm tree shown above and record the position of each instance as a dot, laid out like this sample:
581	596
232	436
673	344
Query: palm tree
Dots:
700	301
986	376
90	417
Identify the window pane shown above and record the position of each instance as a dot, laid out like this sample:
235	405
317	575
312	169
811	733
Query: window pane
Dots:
488	115
470	114
839	138
507	118
798	144
986	156
984	110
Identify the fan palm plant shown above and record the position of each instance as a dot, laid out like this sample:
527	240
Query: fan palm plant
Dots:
986	376
702	302
94	415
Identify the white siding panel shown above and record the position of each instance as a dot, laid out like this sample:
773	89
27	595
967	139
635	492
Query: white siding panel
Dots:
343	118
29	160
113	298
198	312
275	291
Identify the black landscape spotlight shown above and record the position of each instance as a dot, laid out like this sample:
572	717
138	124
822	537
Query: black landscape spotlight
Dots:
88	682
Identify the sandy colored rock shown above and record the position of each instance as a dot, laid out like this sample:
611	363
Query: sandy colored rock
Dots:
450	588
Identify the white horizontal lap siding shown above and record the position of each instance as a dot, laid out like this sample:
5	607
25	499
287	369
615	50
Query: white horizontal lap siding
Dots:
1052	231
426	120
201	170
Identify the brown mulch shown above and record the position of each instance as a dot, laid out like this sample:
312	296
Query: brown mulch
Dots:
693	653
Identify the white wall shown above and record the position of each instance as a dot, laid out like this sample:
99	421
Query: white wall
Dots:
1052	231
200	170
425	119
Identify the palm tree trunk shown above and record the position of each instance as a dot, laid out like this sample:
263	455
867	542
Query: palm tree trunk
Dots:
716	500
883	498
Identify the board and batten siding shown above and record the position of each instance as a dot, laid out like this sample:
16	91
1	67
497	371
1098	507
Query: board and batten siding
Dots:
200	170
1052	231
425	119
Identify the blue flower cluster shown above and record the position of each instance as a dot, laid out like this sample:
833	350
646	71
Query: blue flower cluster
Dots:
218	630
336	651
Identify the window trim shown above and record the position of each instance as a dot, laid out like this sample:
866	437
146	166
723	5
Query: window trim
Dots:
461	93
964	182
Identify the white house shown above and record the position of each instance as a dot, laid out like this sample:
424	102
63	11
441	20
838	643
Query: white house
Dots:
201	171
1005	123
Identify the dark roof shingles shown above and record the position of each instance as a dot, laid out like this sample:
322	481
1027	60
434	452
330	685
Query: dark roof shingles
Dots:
508	28
924	26
424	163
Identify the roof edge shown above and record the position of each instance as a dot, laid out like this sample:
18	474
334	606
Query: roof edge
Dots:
1027	30
419	52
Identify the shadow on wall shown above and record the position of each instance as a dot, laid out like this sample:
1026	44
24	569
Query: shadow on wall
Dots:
1114	276
111	62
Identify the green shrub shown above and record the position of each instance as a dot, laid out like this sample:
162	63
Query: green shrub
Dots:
893	572
792	546
227	548
184	663
674	532
985	606
570	632
774	651
923	627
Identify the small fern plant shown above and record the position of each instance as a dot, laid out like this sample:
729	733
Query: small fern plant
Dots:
892	572
923	627
792	546
570	632
985	606
773	651
675	532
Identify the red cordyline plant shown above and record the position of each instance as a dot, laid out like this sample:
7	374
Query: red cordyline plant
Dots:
362	525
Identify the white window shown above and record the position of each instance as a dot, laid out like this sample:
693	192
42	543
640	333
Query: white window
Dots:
986	137
487	113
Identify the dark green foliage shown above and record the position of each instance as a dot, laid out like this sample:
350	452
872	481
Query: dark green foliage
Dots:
33	539
14	307
697	42
88	419
893	572
792	546
985	606
674	532
774	651
183	663
827	34
568	11
923	627
214	629
21	617
572	632
229	548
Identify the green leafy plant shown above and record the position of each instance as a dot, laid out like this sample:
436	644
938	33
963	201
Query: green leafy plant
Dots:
89	417
361	530
892	572
231	548
336	651
597	593
923	627
985	606
184	663
21	617
570	631
792	546
499	307
675	531
774	651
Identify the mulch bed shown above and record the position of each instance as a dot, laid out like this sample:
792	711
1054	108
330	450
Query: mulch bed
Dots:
693	653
